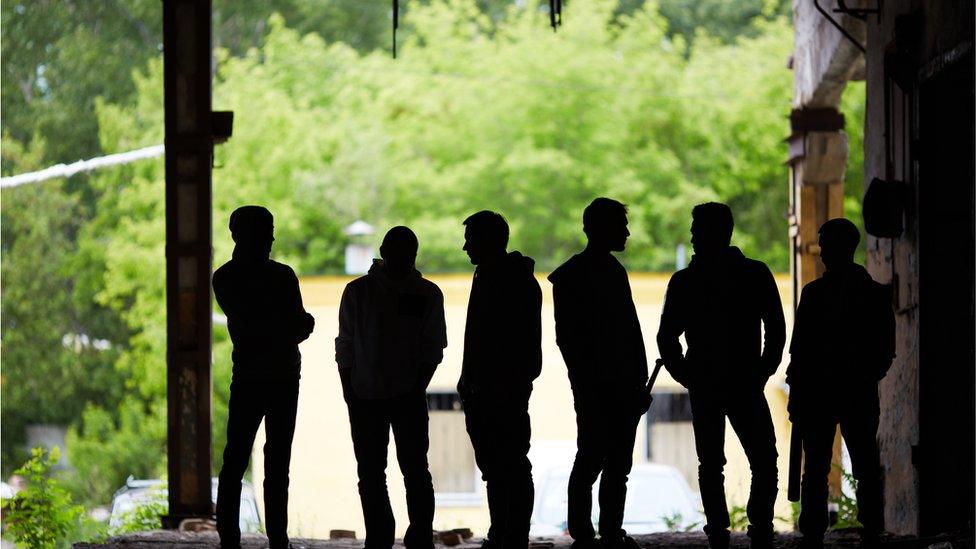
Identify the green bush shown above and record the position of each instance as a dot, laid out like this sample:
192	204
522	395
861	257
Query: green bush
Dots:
144	516
41	515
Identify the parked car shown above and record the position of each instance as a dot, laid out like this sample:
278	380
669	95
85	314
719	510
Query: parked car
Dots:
137	492
658	500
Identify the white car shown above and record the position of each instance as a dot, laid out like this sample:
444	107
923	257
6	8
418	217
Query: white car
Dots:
658	500
138	492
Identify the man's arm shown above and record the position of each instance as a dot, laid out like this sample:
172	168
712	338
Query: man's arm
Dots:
433	337
885	326
302	322
774	325
672	326
571	329
533	331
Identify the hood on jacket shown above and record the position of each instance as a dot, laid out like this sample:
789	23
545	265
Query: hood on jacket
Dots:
512	262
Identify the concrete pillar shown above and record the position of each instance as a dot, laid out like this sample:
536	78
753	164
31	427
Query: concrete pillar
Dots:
189	157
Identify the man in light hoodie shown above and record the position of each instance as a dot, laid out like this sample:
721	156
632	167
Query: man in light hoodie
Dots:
391	338
502	356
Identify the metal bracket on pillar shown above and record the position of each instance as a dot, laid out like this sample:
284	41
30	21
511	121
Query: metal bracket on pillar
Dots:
189	154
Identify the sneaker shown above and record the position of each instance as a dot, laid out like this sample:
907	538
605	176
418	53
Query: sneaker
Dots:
870	541
623	542
760	538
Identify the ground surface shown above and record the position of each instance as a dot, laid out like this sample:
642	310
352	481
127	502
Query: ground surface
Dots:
182	540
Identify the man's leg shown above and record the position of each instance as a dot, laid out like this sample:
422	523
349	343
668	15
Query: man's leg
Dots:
818	442
751	421
860	430
479	421
622	431
410	423
590	452
370	426
279	428
708	420
514	435
244	414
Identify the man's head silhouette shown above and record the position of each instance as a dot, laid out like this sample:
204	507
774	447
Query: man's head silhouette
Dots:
485	236
605	225
838	241
711	228
252	228
399	251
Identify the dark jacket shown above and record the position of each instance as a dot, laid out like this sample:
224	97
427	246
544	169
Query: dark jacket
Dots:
722	306
843	333
265	317
390	332
503	332
597	329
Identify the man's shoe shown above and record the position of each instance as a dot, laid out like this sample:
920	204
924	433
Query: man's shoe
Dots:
588	543
760	538
870	541
622	542
718	540
810	542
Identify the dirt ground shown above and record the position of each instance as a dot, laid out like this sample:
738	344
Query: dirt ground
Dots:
185	540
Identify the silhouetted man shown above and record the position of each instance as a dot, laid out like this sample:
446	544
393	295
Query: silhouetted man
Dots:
843	344
722	303
266	321
600	338
502	356
391	338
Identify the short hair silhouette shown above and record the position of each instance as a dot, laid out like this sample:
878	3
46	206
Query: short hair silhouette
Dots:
401	241
840	236
489	227
716	219
601	212
247	222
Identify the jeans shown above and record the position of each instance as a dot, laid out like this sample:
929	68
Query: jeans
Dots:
371	421
859	426
275	401
500	430
605	444
748	412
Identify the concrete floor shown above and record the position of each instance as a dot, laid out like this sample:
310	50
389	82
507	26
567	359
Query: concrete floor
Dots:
696	540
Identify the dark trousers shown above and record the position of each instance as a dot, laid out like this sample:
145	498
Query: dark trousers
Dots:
500	431
371	421
605	433
859	428
277	403
748	412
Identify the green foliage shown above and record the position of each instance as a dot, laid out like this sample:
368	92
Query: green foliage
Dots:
846	505
738	518
659	106
144	516
675	522
41	515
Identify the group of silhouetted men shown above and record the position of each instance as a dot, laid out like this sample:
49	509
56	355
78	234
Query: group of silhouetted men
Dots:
391	339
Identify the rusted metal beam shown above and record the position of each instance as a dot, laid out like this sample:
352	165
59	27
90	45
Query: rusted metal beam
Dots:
189	154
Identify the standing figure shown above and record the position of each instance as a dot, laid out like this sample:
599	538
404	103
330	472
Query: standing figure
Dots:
266	321
391	338
599	335
723	303
502	356
843	344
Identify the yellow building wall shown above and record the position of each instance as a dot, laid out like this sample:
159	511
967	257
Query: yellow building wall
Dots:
323	491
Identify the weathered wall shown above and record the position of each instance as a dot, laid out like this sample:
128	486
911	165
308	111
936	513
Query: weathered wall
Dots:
823	60
943	26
